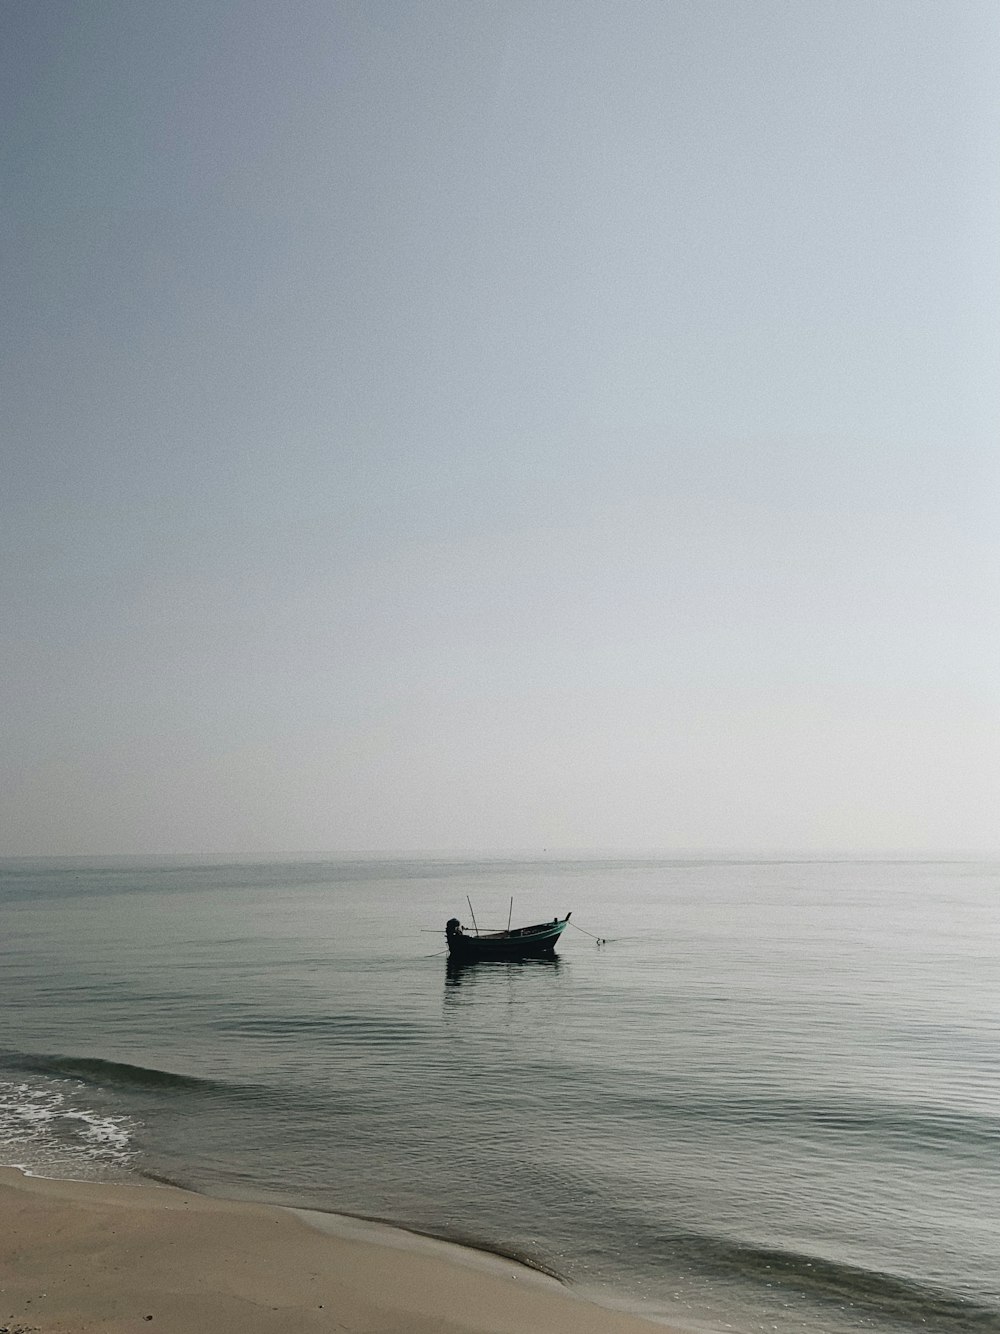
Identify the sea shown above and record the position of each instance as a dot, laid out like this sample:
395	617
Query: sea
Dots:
747	1095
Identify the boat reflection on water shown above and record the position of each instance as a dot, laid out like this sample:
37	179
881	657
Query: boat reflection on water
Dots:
485	976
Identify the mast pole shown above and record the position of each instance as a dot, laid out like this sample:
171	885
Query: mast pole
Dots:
510	914
473	911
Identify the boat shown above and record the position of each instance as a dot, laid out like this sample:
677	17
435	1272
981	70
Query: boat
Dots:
523	942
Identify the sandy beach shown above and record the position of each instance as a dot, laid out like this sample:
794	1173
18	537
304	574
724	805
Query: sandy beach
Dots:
78	1257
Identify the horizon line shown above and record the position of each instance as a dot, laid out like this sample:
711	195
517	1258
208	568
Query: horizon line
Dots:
777	854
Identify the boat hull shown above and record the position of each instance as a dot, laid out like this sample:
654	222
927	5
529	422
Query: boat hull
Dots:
527	942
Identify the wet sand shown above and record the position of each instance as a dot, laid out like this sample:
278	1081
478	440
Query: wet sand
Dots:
77	1257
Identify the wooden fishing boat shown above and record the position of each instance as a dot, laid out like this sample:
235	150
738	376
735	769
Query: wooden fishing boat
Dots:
523	942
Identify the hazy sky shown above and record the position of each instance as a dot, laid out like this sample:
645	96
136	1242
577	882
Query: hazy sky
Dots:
487	426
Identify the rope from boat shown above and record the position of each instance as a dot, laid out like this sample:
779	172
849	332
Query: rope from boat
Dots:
601	940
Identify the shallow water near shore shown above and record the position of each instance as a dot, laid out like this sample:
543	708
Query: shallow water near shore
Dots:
771	1101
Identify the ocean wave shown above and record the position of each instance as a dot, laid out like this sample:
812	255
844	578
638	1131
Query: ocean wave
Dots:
47	1129
905	1124
108	1074
124	1079
342	1029
892	1296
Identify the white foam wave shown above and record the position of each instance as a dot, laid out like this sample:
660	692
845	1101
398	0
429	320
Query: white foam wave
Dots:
46	1129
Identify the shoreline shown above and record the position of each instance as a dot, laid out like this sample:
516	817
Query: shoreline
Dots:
384	1231
81	1257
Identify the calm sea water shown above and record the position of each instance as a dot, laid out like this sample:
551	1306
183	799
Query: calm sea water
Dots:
771	1101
